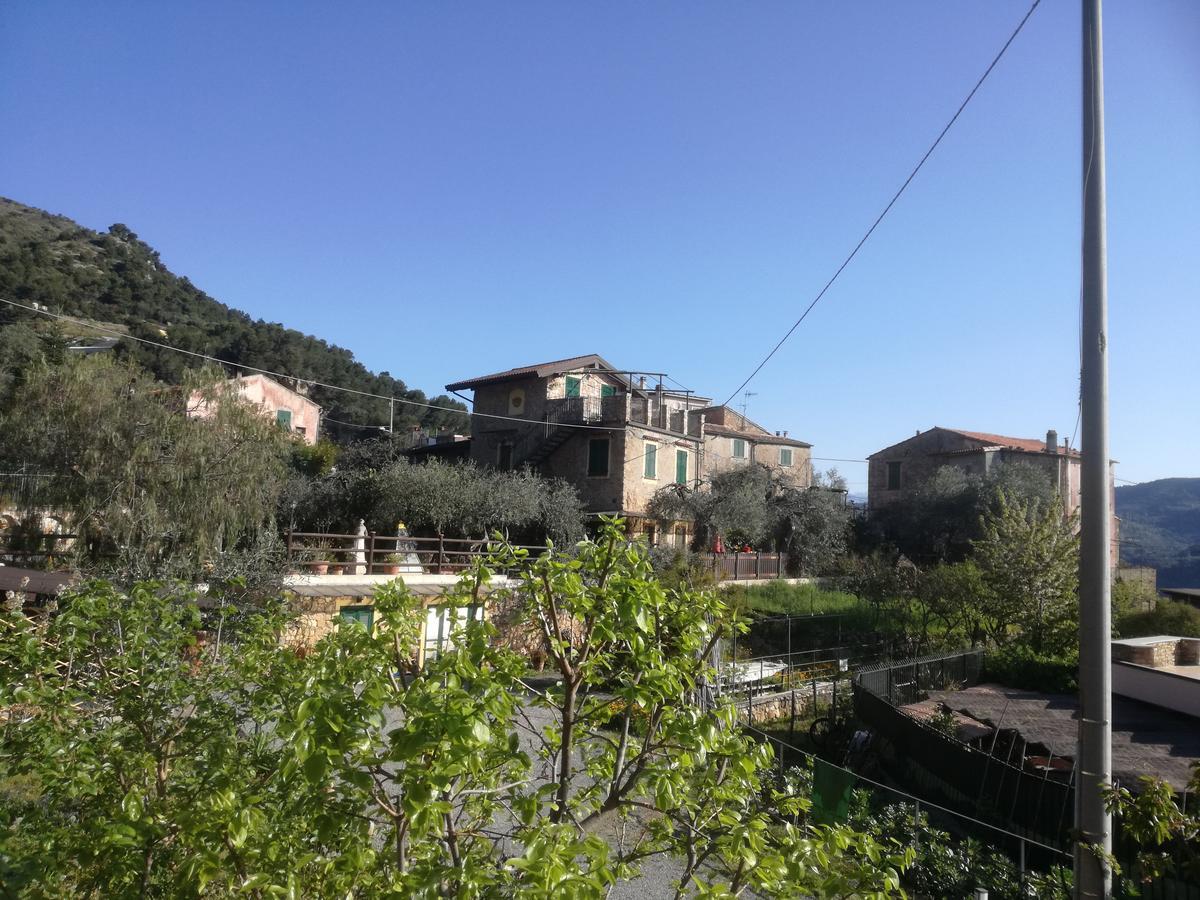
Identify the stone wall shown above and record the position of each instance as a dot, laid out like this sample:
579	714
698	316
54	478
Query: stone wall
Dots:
782	705
637	489
1170	652
315	617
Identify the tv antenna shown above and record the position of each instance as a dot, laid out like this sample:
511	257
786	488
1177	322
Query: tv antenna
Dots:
746	395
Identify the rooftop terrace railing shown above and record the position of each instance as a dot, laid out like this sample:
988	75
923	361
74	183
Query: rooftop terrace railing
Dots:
328	553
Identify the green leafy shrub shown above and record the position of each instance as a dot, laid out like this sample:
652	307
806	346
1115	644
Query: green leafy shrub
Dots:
1168	617
1020	666
949	866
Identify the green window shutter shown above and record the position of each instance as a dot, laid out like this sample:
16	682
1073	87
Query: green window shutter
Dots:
364	615
598	457
651	470
893	476
572	386
785	456
283	418
607	390
681	467
739	448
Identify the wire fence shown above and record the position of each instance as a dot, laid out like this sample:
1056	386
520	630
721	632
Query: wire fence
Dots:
1028	852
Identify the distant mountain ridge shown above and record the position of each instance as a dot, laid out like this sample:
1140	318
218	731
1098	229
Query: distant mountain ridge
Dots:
116	279
1160	527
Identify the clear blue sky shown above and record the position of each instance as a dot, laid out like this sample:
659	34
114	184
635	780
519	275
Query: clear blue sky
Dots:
452	189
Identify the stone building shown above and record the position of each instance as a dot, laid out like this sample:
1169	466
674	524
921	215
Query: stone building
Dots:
607	432
897	471
732	441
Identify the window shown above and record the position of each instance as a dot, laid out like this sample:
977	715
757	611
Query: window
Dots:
283	418
893	476
363	615
681	467
607	390
650	469
681	540
504	455
572	386
739	448
785	456
598	457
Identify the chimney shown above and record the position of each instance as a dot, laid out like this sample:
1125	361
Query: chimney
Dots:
642	381
777	434
785	432
1051	441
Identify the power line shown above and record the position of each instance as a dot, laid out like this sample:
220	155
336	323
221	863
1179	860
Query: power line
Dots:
354	424
890	204
296	378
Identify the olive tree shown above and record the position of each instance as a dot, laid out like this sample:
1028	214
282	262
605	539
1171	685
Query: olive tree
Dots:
148	487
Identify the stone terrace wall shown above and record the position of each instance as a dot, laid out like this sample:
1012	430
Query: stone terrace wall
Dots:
771	707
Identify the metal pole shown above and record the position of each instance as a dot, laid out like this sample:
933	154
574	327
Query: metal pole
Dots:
391	416
1094	824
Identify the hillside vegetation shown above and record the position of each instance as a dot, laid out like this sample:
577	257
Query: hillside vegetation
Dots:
117	279
1160	527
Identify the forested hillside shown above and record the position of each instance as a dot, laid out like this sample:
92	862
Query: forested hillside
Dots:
1160	527
117	279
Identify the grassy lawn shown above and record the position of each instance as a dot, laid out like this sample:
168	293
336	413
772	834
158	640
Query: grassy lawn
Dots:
780	598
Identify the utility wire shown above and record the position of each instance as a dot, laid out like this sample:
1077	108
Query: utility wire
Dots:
333	387
890	204
354	424
296	378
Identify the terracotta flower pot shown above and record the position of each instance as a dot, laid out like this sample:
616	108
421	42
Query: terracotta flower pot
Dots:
318	568
391	569
336	569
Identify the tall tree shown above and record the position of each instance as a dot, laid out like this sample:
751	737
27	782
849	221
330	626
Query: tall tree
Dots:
146	487
1028	560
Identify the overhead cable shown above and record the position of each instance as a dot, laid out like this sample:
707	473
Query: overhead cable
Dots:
890	204
309	381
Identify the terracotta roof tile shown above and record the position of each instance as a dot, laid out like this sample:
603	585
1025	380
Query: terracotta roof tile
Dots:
1029	445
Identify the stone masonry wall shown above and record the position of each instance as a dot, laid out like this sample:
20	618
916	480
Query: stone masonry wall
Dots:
772	707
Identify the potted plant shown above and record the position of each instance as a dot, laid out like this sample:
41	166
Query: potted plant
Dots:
391	564
319	557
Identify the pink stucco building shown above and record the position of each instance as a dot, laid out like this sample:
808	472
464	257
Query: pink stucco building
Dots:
291	410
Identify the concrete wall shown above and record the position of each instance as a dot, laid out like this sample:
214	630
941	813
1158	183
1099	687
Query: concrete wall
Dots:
1165	689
